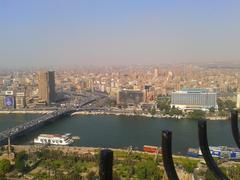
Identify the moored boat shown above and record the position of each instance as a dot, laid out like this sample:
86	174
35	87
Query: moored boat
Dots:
54	139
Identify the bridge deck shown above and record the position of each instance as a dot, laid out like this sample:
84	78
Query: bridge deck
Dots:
30	125
21	129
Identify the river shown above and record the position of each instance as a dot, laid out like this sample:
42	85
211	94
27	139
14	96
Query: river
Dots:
123	131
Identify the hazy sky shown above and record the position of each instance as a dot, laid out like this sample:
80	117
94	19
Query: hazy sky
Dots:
76	32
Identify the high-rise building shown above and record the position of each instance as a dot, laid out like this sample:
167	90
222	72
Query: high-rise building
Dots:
238	100
20	100
46	84
189	99
149	93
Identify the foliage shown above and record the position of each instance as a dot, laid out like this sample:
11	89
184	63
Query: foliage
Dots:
196	115
124	171
61	165
20	162
5	167
152	111
212	110
175	111
187	164
233	171
163	104
147	170
227	105
209	175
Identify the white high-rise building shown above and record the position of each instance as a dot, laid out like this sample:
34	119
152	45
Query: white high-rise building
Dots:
190	99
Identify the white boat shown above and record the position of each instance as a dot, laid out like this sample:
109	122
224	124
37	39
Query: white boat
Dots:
54	139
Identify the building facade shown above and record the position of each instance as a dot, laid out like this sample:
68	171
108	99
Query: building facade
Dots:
130	97
191	99
149	93
2	101
20	100
238	101
46	84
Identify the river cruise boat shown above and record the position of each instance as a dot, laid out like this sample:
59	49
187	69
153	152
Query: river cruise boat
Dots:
217	152
54	139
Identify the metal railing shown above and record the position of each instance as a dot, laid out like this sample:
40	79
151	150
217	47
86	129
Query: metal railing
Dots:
106	156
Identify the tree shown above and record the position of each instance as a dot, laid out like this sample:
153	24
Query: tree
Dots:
5	167
175	111
163	103
147	170
227	105
230	105
212	109
20	162
196	115
152	111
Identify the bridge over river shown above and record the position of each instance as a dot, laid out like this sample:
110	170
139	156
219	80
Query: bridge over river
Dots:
22	129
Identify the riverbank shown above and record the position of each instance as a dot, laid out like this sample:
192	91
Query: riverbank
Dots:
142	115
26	112
107	113
81	150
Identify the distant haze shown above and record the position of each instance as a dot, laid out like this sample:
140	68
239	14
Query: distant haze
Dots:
62	32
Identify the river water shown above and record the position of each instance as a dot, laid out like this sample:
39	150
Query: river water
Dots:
123	131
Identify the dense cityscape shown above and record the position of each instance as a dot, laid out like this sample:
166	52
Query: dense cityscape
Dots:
136	89
183	92
119	90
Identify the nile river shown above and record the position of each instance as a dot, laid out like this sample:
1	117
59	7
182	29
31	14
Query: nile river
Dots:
123	131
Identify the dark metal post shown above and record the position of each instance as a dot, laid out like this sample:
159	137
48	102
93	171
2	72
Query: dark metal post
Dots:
167	155
106	165
203	142
234	124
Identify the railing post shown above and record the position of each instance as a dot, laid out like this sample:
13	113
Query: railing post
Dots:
167	155
203	142
106	165
234	124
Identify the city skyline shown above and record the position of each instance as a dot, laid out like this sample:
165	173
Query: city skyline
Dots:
50	33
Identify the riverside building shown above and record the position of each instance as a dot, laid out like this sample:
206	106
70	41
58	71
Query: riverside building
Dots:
194	99
20	100
131	97
46	84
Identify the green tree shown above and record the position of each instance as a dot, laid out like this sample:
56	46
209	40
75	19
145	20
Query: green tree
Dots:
187	164
230	105
147	170
163	104
227	105
175	111
20	162
5	167
196	115
152	111
212	109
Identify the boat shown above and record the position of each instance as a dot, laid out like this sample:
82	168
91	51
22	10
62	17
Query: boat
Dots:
217	152
151	149
54	139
